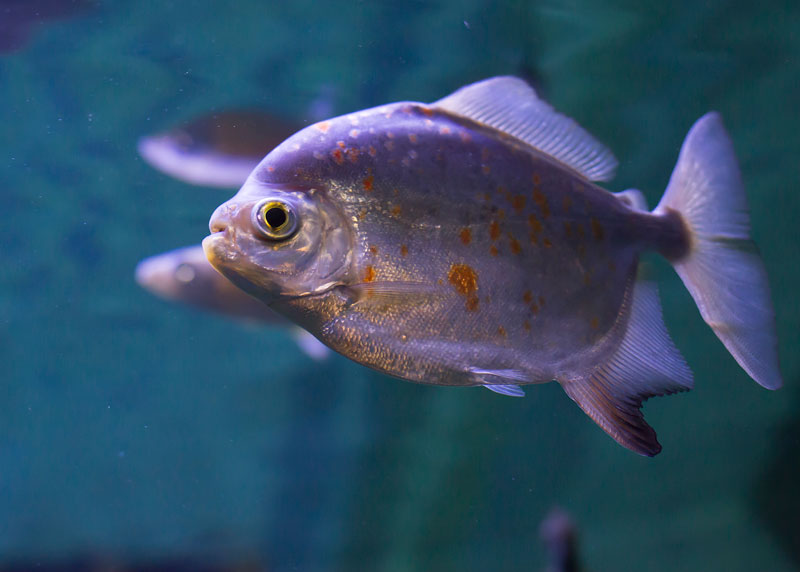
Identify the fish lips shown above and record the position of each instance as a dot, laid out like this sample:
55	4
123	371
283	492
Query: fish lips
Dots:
224	254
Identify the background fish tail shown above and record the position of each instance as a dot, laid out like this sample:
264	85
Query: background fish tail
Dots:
720	266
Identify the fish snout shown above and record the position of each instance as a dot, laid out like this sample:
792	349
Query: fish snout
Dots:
222	218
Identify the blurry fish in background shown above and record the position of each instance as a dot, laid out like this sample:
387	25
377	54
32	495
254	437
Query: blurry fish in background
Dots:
216	150
559	536
184	275
19	17
463	243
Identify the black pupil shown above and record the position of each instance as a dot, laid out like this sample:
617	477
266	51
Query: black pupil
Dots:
275	217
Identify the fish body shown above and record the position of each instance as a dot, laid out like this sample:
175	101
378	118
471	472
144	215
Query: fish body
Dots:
219	149
19	17
184	275
463	243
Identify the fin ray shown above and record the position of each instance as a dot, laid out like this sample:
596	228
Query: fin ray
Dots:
510	105
510	390
645	364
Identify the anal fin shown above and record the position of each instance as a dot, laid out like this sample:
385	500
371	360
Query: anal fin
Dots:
645	364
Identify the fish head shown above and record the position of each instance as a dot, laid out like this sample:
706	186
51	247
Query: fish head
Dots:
279	241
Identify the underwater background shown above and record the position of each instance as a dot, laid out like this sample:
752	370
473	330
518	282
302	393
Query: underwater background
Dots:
138	433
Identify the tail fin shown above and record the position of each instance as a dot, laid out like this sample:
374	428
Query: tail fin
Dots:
722	269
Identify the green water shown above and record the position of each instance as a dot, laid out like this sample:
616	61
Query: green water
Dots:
137	432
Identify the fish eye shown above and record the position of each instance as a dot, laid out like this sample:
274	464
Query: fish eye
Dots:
275	220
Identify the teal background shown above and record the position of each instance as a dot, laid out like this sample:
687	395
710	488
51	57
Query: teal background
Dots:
137	432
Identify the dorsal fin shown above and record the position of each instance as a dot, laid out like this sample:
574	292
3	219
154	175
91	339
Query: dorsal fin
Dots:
510	105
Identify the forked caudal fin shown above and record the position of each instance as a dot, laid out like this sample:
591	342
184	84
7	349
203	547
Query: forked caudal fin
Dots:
645	364
722	269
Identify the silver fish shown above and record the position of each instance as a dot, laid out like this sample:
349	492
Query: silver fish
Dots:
184	275
216	150
463	243
560	538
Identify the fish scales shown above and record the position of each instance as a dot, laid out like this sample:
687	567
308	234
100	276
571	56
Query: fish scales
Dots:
463	243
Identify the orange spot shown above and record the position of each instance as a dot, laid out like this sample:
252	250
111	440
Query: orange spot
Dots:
486	196
535	224
412	137
373	249
493	250
465	137
541	202
501	331
340	144
466	235
271	169
546	242
323	126
465	281
534	308
527	296
518	203
566	203
354	133
390	135
486	169
403	250
369	274
444	130
597	229
361	214
367	182
396	210
352	154
537	180
527	325
494	230
594	323
372	151
427	111
515	247
389	145
337	156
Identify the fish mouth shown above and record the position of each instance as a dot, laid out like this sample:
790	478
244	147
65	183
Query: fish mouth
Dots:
217	248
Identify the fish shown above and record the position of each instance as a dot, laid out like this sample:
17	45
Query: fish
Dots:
216	150
19	17
184	275
559	536
466	243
